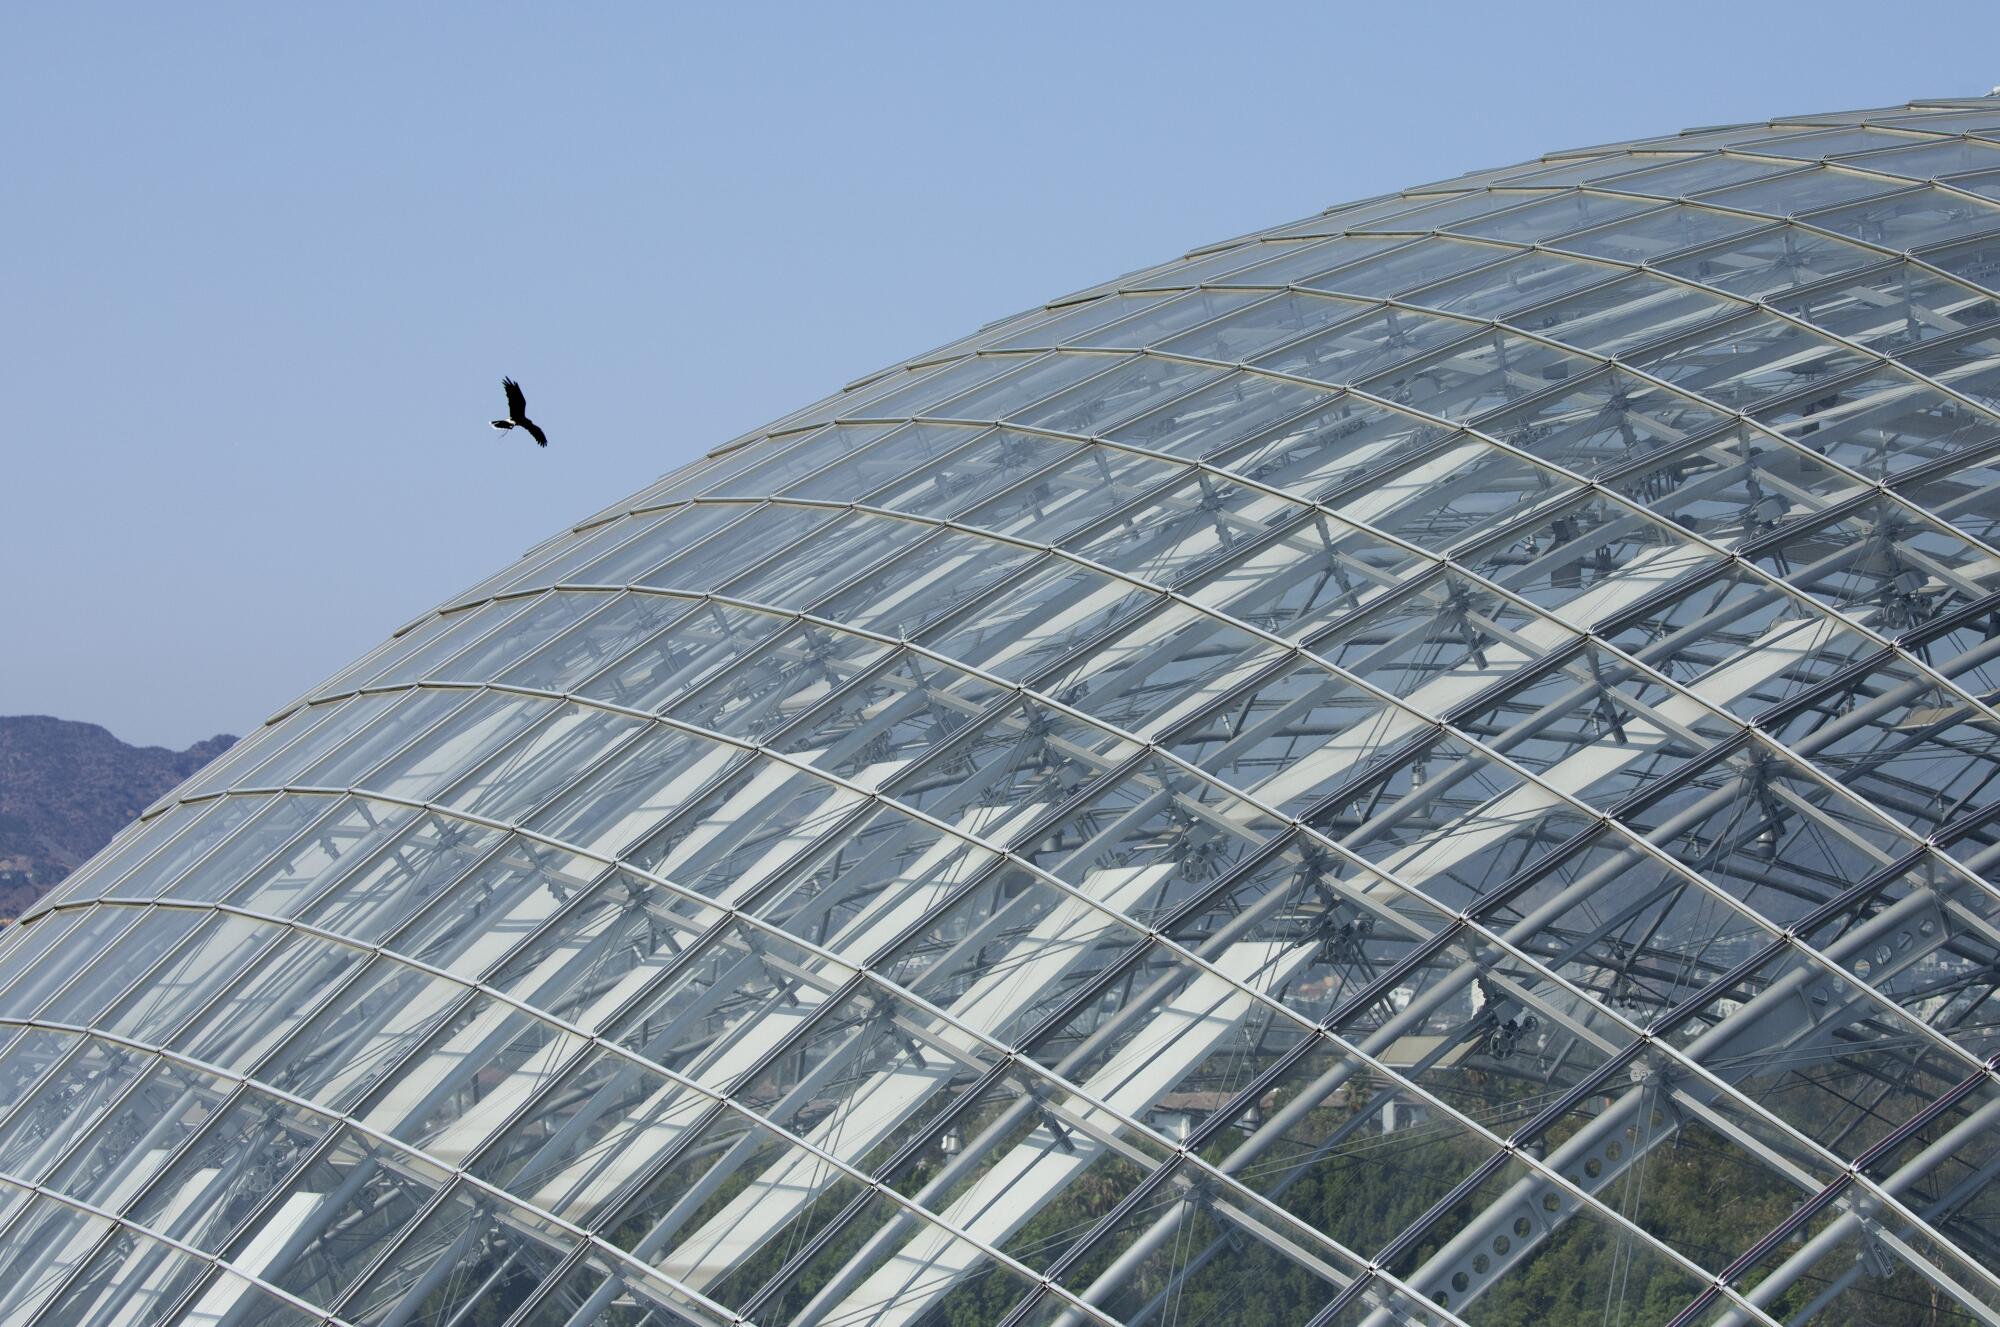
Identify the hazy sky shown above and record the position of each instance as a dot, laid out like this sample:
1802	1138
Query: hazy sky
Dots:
263	265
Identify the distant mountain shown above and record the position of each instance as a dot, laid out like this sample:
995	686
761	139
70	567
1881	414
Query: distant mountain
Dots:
66	788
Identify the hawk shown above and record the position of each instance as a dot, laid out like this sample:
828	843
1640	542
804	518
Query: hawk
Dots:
517	414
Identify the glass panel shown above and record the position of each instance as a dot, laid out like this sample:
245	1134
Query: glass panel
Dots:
1551	217
940	575
920	396
1134	387
485	1065
1073	325
1170	534
1927	215
1522	281
219	1182
658	541
387	730
1735	487
618	539
1835	142
1320	569
363	1035
603	1130
1768	261
468	1249
375	899
469	735
1969	365
1153	325
1881	565
1024	386
565	746
688	1182
709	638
603	952
1603	421
134	845
648	782
871	729
835	554
1892	307
1749	361
1294	735
1010	950
55	970
466	630
1366	345
131	1279
66	1105
268	1002
373	664
1072	494
1157	672
481	918
252	850
1039	620
787	677
1803	193
1220	415
913	1267
591	1291
30	1054
141	1133
1975	260
801	458
1690	175
982	463
45	1245
227	1293
1843	1267
1296	263
761	533
1035	624
1480	374
331	1221
1331	447
619	624
1613	318
1564	1244
860	897
1417	214
1882	423
745	830
1185	1252
23	944
1412	267
871	456
545	617
179	988
338	842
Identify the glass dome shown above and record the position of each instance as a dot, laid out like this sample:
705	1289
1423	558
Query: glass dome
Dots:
1438	763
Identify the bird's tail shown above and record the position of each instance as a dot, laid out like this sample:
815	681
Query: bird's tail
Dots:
503	423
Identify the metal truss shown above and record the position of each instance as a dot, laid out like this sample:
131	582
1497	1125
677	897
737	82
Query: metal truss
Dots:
1323	781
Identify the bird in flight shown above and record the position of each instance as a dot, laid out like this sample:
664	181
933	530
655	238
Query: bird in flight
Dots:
517	414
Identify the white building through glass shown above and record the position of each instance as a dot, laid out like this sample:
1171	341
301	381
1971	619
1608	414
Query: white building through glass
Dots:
1438	763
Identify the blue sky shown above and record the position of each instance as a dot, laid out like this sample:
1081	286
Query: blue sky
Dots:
265	264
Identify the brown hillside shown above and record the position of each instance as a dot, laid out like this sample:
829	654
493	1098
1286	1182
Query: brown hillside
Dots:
66	788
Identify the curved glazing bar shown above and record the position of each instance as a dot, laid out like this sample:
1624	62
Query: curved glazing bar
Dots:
1438	763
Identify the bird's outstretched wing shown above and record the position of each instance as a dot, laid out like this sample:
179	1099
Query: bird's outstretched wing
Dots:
535	432
517	404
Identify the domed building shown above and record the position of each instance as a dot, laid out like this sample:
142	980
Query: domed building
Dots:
1438	763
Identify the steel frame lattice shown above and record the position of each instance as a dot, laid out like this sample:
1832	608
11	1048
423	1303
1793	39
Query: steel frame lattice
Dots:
1337	780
